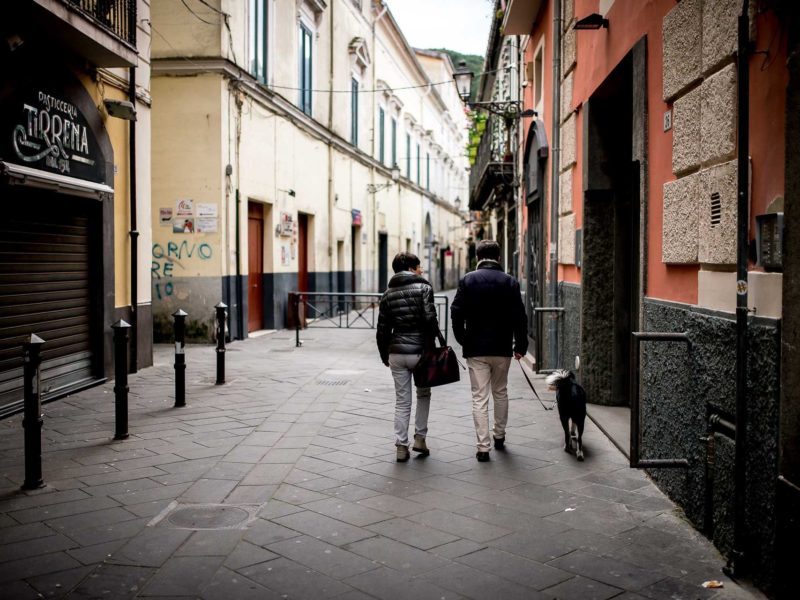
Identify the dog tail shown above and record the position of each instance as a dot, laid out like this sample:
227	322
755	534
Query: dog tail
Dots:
557	376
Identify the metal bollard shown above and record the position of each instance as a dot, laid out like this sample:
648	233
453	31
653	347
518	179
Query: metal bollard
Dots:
298	298
32	419
222	316
180	357
121	379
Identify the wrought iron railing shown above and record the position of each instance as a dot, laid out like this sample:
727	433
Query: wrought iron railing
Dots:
355	310
118	17
490	150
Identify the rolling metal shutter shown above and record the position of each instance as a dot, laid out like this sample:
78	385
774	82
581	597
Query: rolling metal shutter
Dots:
45	276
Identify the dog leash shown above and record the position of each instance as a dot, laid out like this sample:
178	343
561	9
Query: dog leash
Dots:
534	389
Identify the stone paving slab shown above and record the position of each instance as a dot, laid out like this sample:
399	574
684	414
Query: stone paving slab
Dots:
301	440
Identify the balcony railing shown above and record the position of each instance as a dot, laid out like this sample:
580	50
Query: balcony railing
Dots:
118	17
491	166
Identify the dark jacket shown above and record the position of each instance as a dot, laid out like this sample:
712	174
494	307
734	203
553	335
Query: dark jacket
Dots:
407	317
488	315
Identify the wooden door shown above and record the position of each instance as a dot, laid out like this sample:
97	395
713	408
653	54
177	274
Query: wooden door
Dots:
255	263
302	252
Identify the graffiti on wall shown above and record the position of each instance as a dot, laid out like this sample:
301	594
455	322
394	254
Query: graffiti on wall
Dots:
167	256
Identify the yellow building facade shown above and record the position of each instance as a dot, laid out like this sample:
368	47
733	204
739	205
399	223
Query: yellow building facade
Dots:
277	125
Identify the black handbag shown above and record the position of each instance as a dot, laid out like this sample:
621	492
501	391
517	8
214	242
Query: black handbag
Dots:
437	366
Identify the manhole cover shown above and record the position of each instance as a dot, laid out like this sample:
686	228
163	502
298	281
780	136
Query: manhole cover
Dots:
208	517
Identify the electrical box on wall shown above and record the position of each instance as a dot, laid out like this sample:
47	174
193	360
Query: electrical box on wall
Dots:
769	241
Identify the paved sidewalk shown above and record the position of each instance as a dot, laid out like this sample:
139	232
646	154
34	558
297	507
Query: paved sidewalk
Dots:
283	484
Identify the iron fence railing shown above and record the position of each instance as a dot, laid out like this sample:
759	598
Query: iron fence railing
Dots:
490	150
354	310
118	17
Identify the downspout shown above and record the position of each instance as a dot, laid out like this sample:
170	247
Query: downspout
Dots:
375	257
737	559
330	159
134	233
238	241
554	191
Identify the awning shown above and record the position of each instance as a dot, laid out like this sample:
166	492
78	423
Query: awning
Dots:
19	175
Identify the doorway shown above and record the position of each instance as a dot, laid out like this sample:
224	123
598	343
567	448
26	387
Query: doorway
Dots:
611	247
255	266
302	252
536	153
383	261
355	242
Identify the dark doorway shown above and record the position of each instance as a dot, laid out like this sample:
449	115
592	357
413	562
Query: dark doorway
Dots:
536	153
442	268
255	266
355	240
610	290
383	261
512	251
302	252
501	236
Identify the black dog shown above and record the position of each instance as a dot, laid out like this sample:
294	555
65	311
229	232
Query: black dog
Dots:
571	400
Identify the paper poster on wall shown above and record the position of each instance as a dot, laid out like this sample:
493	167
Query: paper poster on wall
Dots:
165	216
206	210
206	224
285	261
184	208
183	226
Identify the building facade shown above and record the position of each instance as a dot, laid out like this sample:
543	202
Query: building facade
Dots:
278	126
656	187
74	178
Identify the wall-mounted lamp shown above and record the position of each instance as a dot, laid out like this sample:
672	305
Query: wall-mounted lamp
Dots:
592	21
508	109
121	109
373	187
290	192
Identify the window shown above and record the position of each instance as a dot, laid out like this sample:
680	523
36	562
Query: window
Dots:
538	80
394	142
257	40
381	135
419	169
354	111
428	171
304	51
408	155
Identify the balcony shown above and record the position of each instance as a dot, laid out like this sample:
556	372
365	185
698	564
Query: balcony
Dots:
117	17
494	166
100	31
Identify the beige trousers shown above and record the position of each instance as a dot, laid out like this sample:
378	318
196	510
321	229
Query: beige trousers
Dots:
489	373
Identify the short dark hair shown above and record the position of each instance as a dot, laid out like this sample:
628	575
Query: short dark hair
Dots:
405	261
488	249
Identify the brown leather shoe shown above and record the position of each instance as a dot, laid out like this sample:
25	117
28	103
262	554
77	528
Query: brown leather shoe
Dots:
402	453
420	445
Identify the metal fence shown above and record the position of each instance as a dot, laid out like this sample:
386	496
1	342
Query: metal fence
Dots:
354	310
118	17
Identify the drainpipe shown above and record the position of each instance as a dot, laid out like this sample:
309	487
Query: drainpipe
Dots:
737	559
330	158
239	290
554	166
134	234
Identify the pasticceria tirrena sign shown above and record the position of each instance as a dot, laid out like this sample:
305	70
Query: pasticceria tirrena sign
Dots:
47	128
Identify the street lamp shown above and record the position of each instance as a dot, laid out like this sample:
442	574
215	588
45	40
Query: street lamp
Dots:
508	109
373	187
592	21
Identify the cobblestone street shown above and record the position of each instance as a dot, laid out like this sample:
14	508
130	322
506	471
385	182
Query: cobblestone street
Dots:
283	484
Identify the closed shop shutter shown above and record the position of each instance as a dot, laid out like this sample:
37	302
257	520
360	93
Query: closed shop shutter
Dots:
45	288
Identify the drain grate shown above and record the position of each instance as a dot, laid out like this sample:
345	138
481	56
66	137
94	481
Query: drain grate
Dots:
206	516
332	381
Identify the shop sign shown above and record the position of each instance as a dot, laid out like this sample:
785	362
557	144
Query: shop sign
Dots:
356	217
45	129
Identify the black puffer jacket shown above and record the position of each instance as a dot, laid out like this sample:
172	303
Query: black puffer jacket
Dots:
488	314
407	319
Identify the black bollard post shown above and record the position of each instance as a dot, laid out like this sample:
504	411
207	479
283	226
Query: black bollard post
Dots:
222	316
121	379
180	357
298	299
32	418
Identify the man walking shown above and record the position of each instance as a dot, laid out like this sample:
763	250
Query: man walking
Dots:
407	324
489	322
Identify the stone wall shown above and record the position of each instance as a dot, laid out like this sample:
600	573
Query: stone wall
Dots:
680	388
